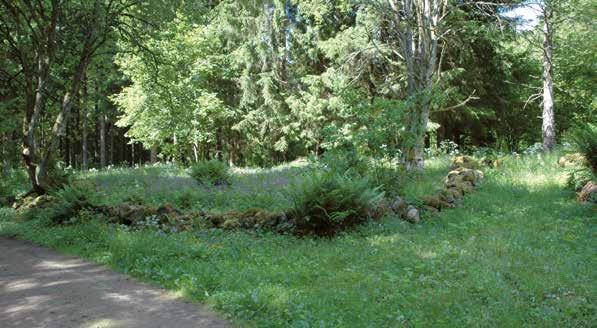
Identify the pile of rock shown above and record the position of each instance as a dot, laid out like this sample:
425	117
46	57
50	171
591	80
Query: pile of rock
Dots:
462	179
165	217
405	211
466	162
34	202
252	219
572	160
588	193
458	183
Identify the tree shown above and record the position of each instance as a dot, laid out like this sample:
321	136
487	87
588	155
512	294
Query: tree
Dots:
548	126
413	30
39	32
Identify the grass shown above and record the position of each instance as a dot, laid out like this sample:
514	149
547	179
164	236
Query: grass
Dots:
520	252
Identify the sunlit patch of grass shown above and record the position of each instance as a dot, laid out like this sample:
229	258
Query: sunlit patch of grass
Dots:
519	252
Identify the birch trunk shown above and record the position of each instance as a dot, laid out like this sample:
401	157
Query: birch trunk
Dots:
548	126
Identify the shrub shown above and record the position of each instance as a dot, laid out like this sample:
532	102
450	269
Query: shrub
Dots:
385	173
327	202
212	172
578	178
13	182
344	162
584	140
59	206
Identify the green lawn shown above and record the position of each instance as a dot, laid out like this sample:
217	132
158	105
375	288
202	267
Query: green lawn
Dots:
519	252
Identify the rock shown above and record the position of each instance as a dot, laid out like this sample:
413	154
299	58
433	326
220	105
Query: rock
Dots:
435	202
412	215
431	210
382	208
465	162
460	175
573	159
453	193
30	202
588	193
398	205
465	186
7	201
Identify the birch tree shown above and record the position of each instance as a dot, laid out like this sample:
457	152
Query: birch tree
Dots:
415	29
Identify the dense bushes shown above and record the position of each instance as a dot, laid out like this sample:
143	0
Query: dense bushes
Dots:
327	202
212	172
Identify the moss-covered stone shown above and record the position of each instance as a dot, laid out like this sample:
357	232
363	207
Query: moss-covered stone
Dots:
465	162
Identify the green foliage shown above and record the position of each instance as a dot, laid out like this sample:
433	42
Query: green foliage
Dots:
584	139
211	172
326	203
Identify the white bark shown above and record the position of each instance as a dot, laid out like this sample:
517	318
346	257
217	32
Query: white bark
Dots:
548	126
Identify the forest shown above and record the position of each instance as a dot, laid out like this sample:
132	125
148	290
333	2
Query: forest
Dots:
256	155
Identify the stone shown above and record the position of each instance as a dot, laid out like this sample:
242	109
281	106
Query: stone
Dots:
7	201
588	193
465	186
434	201
380	209
573	159
412	215
398	205
431	210
465	162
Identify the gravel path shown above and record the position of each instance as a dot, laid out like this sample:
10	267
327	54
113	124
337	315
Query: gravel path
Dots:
41	288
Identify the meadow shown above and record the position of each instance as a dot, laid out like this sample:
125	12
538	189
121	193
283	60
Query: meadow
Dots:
518	252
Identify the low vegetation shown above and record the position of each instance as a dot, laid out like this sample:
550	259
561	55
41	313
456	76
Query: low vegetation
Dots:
212	172
495	259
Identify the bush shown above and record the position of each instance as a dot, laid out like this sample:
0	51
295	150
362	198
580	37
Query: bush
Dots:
13	182
325	203
578	178
58	207
212	172
584	140
344	162
385	173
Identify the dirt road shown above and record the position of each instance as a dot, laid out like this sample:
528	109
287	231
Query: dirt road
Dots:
42	288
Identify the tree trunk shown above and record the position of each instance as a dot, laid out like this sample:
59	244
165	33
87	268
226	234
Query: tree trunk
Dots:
102	139
35	102
84	111
60	123
548	127
418	45
153	157
132	154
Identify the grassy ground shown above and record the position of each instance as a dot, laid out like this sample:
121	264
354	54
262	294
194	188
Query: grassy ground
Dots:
520	252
